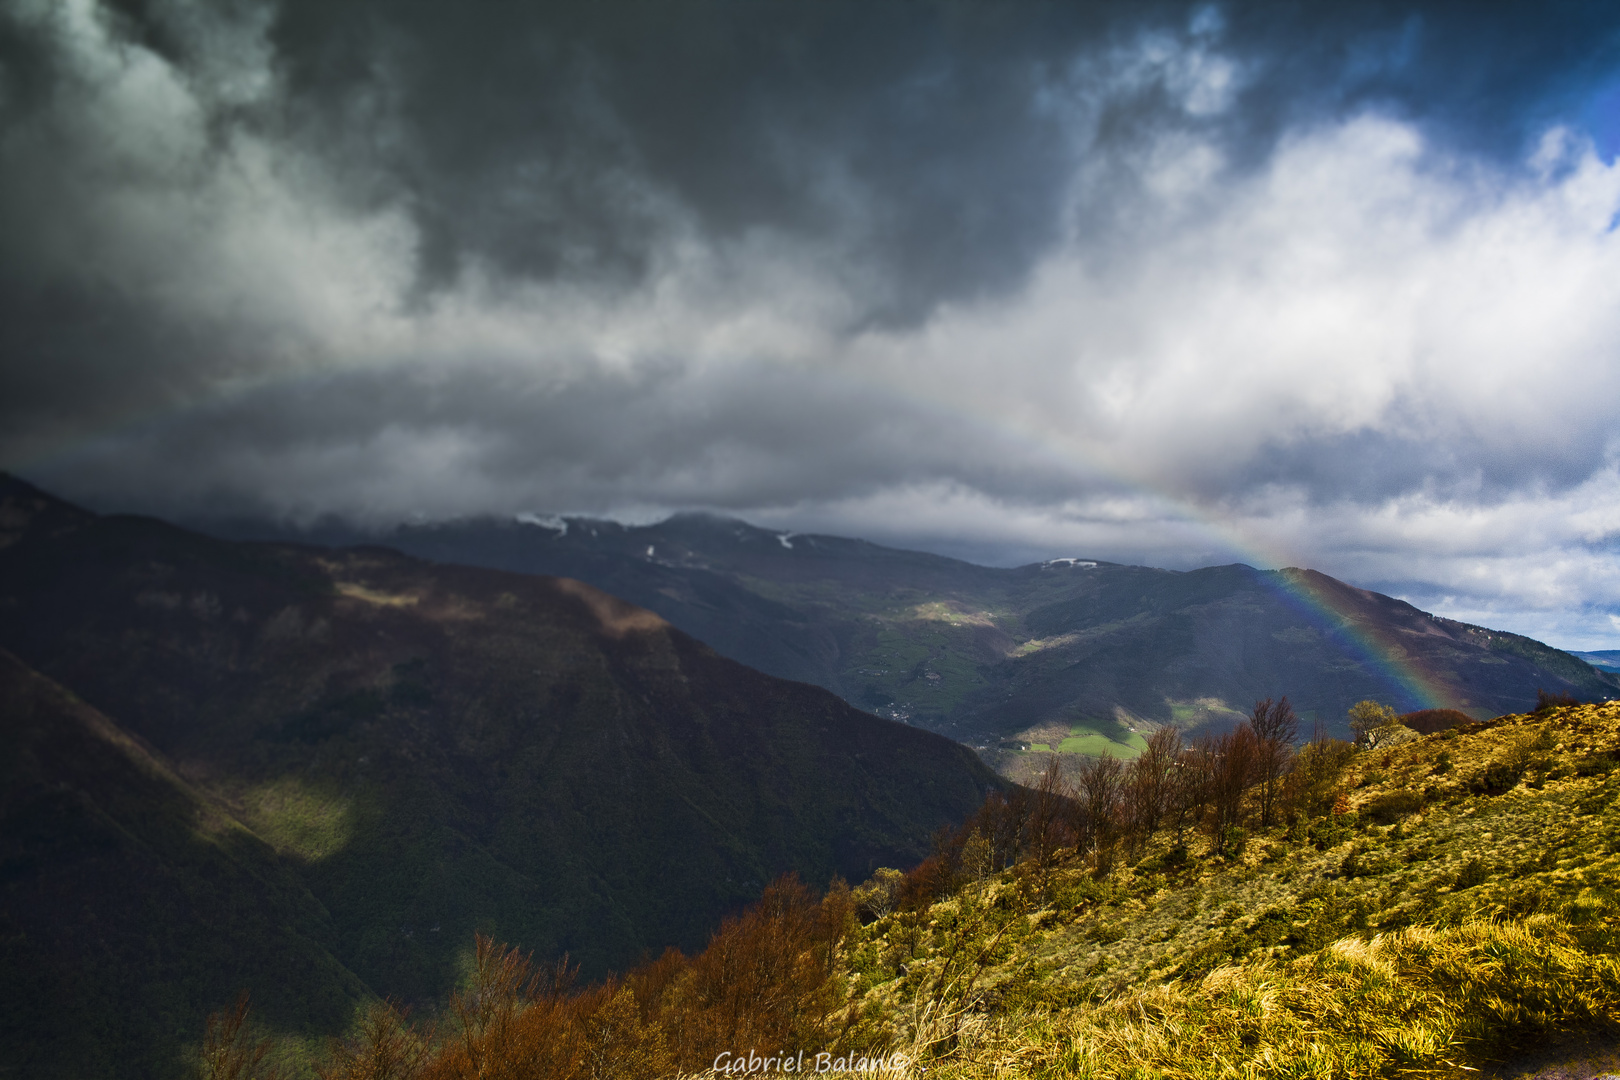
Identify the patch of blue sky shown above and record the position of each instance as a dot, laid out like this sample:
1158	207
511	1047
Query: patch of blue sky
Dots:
1601	119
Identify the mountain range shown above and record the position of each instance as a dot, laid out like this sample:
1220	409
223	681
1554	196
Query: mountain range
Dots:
316	773
1077	654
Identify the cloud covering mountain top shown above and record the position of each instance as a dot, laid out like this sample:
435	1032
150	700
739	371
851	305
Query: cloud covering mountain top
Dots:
1330	285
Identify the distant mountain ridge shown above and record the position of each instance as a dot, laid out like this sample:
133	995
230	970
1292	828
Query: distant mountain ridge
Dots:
1071	652
378	756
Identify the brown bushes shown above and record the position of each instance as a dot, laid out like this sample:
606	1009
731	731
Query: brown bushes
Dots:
516	1021
763	984
1274	726
229	1051
386	1048
1115	805
1234	763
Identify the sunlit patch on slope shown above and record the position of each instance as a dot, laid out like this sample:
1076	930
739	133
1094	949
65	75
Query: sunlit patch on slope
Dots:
300	818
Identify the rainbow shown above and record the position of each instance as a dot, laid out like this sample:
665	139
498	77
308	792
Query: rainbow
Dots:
1409	685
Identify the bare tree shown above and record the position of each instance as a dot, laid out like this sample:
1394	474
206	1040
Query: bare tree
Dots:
1233	770
1001	821
1275	727
1147	785
1047	801
1187	797
1099	801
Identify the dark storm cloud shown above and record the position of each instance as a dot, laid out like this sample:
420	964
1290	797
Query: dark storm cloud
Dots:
557	139
929	143
1019	274
383	443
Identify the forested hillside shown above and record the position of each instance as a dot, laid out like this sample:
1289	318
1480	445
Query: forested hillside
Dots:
317	774
1427	905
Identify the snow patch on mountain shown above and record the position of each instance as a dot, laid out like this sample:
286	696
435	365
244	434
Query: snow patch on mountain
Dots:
556	524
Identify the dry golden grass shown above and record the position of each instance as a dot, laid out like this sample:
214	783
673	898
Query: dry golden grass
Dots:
1444	921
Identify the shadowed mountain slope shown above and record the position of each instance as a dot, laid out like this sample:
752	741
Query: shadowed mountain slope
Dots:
436	750
1071	653
131	904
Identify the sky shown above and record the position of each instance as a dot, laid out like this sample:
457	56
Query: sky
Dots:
1318	284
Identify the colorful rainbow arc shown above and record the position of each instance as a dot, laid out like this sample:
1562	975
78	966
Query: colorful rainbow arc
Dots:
1409	685
1413	687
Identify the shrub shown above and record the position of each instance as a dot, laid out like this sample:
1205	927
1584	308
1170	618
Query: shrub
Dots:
1391	807
1271	927
1546	702
1429	721
1499	776
1601	764
1312	784
1473	873
1331	832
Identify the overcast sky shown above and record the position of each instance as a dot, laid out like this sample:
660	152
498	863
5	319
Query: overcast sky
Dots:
1321	284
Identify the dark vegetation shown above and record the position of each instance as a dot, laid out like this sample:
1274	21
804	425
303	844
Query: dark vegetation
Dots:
1429	721
130	901
764	983
1546	702
318	775
985	654
1146	914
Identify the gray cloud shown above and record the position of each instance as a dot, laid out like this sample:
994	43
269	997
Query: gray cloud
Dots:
551	139
1176	283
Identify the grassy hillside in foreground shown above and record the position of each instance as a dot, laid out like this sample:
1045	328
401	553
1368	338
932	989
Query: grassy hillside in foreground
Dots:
1452	912
1462	911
